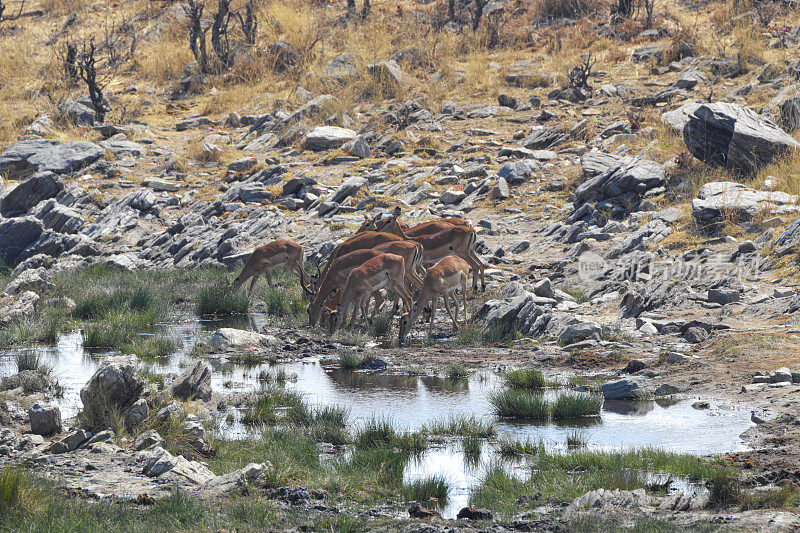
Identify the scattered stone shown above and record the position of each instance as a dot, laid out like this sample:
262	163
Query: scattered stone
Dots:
666	390
723	296
472	513
623	389
232	339
418	511
328	137
148	439
70	442
193	383
116	384
633	366
696	335
30	192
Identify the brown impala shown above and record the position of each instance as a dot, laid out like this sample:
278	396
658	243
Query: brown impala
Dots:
267	258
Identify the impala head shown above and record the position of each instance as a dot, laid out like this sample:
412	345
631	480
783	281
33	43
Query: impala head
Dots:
371	224
236	283
405	324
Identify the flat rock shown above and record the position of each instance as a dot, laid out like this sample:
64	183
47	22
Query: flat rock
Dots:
328	137
230	339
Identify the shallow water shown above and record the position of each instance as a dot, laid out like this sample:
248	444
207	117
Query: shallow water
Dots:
411	401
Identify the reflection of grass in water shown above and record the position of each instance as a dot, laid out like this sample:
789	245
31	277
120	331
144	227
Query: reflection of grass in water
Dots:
509	447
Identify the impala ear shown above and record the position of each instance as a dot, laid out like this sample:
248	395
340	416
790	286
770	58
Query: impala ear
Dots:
397	212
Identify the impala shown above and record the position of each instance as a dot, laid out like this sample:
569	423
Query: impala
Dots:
444	278
360	241
450	239
383	271
338	271
267	258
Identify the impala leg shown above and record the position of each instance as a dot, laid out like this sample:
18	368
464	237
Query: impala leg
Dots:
445	297
252	284
481	267
378	303
464	295
434	301
401	291
356	305
268	273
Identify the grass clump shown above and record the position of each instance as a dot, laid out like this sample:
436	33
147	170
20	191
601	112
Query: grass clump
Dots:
529	378
578	293
272	405
155	348
427	489
569	405
456	371
350	360
14	487
509	447
476	335
460	426
32	360
218	300
281	302
374	433
520	404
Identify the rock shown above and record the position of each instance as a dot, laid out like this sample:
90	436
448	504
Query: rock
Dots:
193	383
790	114
519	171
58	217
500	191
631	177
648	329
230	339
234	481
452	196
720	200
633	366
648	52
546	137
136	413
544	288
348	188
283	56
77	113
735	137
327	137
45	420
623	389
506	100
696	335
578	332
116	384
242	165
34	279
64	158
124	148
30	192
16	234
746	247
678	118
23	306
158	184
472	513
195	434
157	462
783	292
688	79
70	442
418	511
195	122
723	296
358	147
666	390
387	74
148	439
42	126
342	69
781	375
676	357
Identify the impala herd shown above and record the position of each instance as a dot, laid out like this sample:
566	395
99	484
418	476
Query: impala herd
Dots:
384	253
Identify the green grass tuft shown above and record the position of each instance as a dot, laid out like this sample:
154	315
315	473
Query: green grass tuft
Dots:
460	426
427	489
456	371
529	378
520	404
218	300
572	405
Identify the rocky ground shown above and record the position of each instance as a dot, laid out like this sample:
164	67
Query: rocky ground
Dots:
643	227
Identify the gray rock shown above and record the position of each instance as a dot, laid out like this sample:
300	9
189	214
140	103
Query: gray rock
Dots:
16	234
734	136
629	176
136	413
193	383
242	165
65	158
597	162
234	481
30	192
648	329
77	113
14	159
781	375
623	389
124	148
23	306
387	74
688	79
358	147
723	296
70	442
33	279
348	188
158	184
648	52
148	439
229	339
666	390
195	434
328	137
544	288
45	420
500	191
678	118
116	384
696	335
676	358
578	332
195	122
790	114
519	171
310	109
720	199
452	196
342	69
58	217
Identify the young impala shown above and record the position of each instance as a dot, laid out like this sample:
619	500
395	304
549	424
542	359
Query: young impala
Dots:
336	275
383	271
444	278
267	258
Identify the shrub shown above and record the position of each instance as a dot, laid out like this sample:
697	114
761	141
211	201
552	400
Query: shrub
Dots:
528	378
520	404
573	9
375	432
350	360
460	426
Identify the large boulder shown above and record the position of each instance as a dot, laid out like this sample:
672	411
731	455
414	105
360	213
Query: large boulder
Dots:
328	137
77	113
22	306
231	339
58	217
45	420
115	385
194	383
734	136
30	192
623	389
14	159
720	200
349	187
627	176
64	158
16	234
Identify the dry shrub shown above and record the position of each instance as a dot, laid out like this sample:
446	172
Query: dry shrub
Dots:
567	8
